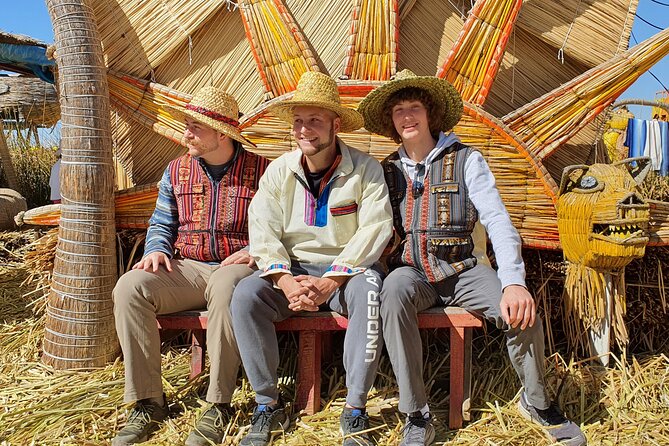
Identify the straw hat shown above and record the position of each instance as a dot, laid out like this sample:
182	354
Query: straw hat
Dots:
316	89
444	95
217	109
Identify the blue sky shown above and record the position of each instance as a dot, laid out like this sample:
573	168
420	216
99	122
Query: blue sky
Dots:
30	17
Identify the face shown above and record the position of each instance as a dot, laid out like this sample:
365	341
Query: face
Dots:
201	140
314	129
602	219
410	119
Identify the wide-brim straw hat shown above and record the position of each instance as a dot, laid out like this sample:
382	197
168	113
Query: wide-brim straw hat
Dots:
316	89
214	108
445	96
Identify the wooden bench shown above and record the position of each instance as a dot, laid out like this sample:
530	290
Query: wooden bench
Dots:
313	328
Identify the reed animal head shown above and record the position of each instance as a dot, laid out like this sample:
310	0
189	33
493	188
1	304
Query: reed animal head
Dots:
602	218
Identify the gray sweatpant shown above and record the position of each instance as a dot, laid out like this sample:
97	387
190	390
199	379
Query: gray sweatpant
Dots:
257	304
406	291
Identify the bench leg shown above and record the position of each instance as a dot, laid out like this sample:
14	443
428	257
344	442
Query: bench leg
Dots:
197	352
457	377
308	392
467	402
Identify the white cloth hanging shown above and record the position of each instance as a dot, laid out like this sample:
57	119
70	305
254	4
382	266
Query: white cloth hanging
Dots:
653	146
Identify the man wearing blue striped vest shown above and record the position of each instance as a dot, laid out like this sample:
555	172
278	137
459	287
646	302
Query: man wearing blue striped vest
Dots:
439	189
195	254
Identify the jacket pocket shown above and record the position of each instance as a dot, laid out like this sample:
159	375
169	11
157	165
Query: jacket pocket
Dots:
191	202
448	255
345	218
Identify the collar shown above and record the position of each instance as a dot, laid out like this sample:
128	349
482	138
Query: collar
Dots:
444	142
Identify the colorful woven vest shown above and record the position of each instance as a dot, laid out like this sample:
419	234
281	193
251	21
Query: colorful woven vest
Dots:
435	226
213	218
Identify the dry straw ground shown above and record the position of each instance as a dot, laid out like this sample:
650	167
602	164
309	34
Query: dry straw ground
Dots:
626	404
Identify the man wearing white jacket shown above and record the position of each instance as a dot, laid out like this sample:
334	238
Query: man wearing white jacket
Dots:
317	225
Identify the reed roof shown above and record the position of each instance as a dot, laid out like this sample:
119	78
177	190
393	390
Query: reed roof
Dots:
189	44
28	101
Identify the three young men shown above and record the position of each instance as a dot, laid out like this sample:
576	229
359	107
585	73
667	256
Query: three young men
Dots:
195	254
439	188
318	224
319	221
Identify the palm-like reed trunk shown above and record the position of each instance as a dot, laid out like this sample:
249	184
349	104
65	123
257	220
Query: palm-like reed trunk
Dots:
80	324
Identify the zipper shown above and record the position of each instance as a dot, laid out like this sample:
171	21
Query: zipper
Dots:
213	211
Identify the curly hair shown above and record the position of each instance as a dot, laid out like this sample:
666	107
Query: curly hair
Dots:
434	115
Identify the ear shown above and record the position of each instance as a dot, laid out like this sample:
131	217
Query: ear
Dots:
336	124
639	167
570	177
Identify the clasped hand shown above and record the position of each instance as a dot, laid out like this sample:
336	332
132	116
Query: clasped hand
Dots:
307	293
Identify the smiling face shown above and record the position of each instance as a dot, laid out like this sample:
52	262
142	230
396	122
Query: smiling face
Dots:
602	219
202	141
315	129
410	119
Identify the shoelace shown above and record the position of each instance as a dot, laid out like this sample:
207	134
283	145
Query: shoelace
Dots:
263	414
216	414
357	422
552	415
412	434
141	414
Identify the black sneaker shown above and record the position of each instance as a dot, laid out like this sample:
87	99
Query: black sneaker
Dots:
557	426
211	427
264	422
143	420
354	426
418	430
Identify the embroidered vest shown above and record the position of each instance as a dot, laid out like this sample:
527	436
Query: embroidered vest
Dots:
213	218
435	226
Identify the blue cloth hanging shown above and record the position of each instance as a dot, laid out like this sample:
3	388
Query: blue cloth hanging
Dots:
635	138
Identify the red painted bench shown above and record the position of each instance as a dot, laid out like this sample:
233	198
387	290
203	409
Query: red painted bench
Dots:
314	327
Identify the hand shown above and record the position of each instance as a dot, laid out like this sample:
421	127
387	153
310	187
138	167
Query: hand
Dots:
295	293
239	257
518	307
152	261
319	290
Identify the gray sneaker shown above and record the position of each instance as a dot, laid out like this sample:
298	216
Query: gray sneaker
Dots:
418	430
210	428
557	427
353	424
264	422
143	420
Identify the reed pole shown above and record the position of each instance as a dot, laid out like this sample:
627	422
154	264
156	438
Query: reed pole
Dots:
6	162
80	324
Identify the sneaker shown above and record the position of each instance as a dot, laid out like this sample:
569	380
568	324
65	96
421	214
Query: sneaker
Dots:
557	426
143	420
418	430
264	422
210	428
354	424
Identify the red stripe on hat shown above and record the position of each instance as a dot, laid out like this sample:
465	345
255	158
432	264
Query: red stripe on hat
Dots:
213	115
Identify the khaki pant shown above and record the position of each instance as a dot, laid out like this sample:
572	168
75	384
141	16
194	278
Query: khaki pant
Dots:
140	295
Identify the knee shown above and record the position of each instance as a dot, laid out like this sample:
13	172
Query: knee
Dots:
397	293
222	285
130	290
246	297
